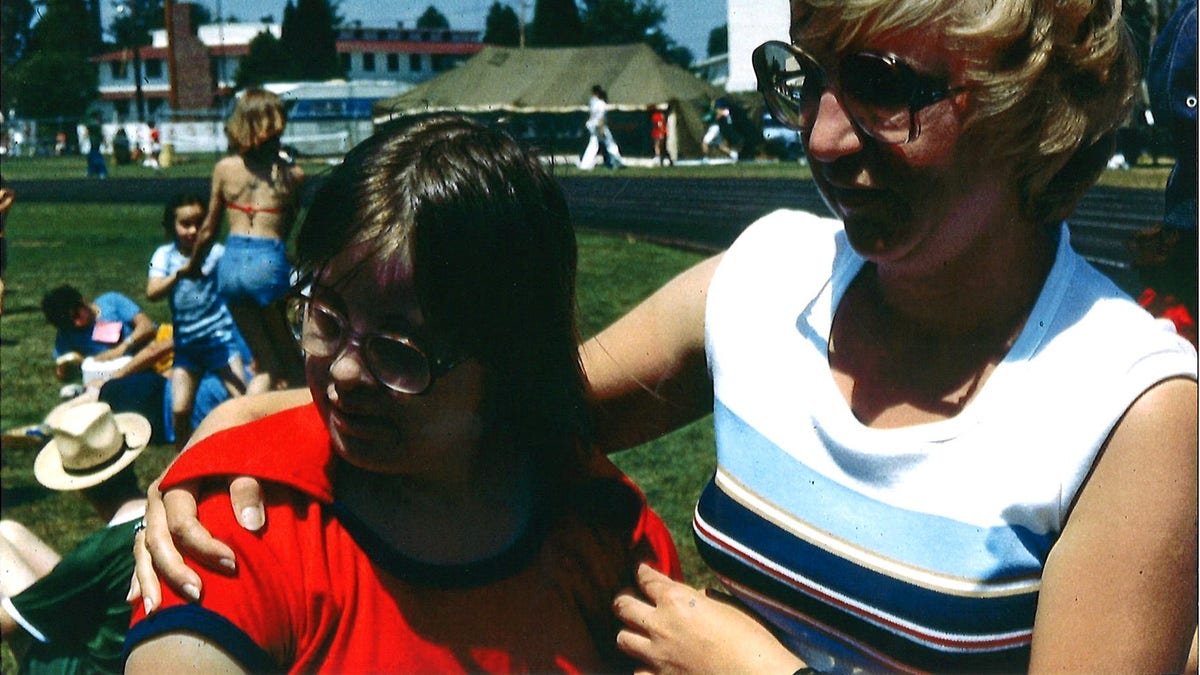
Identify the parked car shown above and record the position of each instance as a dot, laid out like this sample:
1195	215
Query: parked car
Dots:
780	141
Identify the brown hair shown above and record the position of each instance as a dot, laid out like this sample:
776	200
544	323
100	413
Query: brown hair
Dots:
490	241
258	117
1049	80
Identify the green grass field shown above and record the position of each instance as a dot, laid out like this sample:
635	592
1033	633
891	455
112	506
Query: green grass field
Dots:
102	247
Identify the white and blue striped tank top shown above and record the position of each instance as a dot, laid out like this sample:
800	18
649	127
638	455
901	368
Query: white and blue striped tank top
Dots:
918	548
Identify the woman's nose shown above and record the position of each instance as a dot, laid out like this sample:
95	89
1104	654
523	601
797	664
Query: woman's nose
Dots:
833	134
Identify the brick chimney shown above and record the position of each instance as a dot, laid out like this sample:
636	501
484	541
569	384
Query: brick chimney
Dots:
191	77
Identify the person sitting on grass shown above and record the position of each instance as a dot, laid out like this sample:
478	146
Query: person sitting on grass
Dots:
70	613
109	328
205	334
141	386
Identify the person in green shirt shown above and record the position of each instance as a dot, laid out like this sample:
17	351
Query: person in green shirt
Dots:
65	614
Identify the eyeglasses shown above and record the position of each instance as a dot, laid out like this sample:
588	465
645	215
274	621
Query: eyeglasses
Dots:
879	92
394	360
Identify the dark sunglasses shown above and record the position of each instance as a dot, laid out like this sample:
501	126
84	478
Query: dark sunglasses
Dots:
879	92
396	361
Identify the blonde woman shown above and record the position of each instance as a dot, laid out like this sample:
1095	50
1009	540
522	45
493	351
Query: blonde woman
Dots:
258	189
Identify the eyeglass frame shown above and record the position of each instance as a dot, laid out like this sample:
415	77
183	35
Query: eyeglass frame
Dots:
438	365
924	92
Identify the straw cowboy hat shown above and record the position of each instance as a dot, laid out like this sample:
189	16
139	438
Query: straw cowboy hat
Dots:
90	445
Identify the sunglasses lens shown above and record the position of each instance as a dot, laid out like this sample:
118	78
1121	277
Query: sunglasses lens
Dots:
398	364
878	91
790	83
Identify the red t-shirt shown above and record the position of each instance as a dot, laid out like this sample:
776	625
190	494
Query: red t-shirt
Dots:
658	125
314	590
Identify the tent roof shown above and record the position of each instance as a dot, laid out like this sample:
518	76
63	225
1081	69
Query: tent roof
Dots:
551	80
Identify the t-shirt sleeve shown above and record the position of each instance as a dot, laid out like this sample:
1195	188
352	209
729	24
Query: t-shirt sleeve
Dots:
65	606
253	613
160	263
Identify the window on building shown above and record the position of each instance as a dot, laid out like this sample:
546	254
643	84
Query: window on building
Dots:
381	35
118	70
393	62
425	36
368	62
345	58
414	63
122	108
358	34
153	68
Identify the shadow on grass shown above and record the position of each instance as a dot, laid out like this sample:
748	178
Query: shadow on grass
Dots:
23	494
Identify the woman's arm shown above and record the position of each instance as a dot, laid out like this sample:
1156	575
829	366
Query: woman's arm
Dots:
184	650
207	234
1119	589
647	372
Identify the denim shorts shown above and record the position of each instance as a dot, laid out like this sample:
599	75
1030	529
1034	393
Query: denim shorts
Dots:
253	270
207	355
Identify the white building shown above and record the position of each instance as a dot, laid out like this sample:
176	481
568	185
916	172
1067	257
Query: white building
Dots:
751	23
206	62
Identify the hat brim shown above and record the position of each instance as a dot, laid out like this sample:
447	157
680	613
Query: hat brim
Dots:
49	471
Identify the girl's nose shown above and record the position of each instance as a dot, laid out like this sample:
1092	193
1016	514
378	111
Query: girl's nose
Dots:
348	368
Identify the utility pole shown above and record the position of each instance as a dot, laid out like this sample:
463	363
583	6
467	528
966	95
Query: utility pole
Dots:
521	32
131	8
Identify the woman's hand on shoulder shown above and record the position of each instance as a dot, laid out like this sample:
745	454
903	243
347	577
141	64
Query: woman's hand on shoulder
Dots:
172	525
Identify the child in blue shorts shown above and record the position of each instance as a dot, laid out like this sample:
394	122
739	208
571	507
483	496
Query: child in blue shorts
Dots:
205	338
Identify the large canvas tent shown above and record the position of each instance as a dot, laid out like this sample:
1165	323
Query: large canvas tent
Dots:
542	94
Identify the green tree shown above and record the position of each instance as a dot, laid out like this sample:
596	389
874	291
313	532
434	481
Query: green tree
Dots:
53	77
133	21
265	62
718	40
556	23
15	35
616	22
611	22
667	48
15	29
309	39
51	84
503	27
432	19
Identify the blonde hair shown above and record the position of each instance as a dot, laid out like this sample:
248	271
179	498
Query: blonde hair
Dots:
1049	80
258	117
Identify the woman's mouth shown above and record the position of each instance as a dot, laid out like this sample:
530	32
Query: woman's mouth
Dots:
359	425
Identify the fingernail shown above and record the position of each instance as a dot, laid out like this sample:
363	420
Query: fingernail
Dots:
129	595
148	605
228	564
251	518
191	591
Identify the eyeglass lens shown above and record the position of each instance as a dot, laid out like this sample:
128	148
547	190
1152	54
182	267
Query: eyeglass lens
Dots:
876	91
395	362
